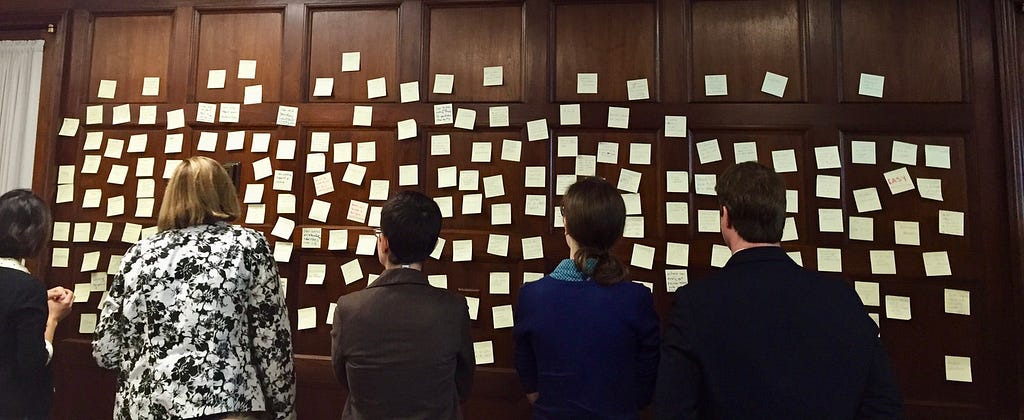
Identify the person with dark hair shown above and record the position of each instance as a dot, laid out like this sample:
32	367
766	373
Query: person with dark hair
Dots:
29	314
763	338
587	338
402	347
195	324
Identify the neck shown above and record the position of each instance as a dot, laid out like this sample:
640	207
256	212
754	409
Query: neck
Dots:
573	246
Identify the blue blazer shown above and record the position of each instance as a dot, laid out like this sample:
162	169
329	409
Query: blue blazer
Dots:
765	339
590	351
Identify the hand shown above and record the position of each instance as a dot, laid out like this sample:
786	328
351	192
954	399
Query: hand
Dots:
532	397
59	301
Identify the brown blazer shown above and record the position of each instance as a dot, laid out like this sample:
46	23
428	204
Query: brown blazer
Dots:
402	348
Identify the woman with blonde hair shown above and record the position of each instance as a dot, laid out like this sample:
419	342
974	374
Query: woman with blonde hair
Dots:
587	337
195	323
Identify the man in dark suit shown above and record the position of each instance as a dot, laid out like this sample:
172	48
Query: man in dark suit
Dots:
401	346
763	338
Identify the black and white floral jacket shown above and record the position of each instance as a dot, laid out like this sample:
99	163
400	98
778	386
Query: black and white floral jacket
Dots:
196	324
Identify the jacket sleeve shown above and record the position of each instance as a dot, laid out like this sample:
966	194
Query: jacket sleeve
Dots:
677	392
29	322
337	354
465	361
272	341
525	358
110	341
881	398
648	347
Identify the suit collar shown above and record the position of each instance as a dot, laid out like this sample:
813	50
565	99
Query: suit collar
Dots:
399	276
760	253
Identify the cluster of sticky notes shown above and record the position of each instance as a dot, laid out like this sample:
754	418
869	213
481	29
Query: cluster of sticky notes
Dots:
718	84
253	94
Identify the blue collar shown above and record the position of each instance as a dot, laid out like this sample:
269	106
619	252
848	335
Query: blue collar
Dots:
567	271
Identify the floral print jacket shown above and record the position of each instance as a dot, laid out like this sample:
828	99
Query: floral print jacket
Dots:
195	324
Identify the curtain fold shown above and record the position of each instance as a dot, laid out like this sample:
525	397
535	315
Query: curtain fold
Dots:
21	70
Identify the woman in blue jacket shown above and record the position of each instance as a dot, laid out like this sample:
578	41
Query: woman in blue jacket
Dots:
586	337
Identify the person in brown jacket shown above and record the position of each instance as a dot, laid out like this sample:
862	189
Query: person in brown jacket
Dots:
401	346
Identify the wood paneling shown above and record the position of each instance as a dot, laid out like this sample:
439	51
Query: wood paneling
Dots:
373	33
382	164
616	41
127	49
464	40
224	39
941	89
765	35
513	175
915	44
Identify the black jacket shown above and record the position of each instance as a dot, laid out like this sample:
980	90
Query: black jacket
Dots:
763	338
26	386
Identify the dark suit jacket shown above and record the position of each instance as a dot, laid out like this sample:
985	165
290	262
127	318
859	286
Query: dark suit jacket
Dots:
26	387
403	349
765	339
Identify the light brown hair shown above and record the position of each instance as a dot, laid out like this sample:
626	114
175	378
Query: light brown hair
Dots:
199	192
595	217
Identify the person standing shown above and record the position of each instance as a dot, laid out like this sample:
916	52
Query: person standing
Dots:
763	338
586	337
29	314
402	347
195	323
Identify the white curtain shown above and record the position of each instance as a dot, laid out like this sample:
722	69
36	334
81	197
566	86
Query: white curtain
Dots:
21	70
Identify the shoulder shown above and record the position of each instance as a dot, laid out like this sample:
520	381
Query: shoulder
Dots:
248	235
22	285
542	283
20	279
232	235
534	289
633	287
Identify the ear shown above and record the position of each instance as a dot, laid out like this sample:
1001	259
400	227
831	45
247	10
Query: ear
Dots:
726	221
383	248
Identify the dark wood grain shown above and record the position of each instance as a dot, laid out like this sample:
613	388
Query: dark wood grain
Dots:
946	84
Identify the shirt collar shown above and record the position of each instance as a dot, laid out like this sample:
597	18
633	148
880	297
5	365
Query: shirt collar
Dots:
567	270
400	276
7	262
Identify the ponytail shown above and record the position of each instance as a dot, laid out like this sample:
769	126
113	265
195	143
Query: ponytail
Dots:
601	266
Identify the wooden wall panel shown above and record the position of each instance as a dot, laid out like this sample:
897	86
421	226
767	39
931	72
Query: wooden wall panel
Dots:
766	142
464	40
317	341
373	33
381	164
916	45
937	58
127	49
224	38
618	41
473	174
744	40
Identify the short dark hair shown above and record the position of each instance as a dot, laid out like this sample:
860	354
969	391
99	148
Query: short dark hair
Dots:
755	197
24	224
411	221
595	216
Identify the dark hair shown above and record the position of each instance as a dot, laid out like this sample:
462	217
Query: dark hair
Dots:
595	216
24	224
755	197
411	221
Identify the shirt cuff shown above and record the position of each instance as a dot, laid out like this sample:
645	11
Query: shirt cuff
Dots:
49	351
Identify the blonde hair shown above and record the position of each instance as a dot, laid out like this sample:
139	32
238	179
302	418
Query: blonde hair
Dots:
199	192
